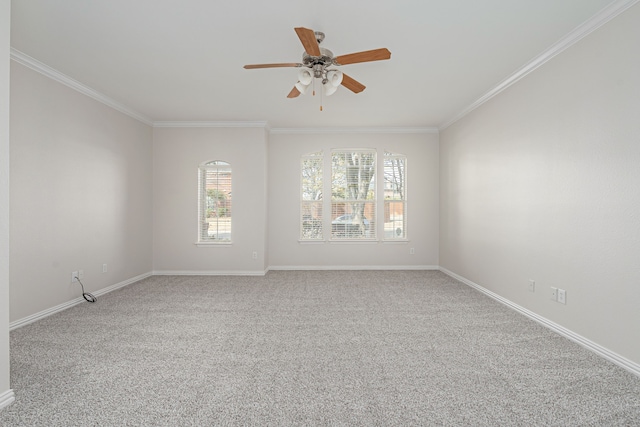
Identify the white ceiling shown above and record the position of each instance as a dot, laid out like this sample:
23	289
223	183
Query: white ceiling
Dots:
181	60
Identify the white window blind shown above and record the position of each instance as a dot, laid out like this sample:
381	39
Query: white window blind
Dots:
214	202
311	197
353	194
395	196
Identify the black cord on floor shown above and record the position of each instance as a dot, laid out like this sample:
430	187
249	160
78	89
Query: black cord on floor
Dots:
86	295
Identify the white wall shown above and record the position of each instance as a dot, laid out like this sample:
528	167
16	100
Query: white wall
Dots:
80	193
543	182
177	153
6	395
285	251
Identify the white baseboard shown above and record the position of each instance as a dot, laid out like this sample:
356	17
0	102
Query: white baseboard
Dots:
48	312
7	398
352	267
210	272
615	358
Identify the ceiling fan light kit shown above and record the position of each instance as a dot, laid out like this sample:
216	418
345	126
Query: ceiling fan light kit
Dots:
329	89
317	62
334	77
302	88
305	76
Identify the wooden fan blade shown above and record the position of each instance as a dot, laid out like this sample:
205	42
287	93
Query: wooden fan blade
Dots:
308	39
294	93
285	64
351	84
366	56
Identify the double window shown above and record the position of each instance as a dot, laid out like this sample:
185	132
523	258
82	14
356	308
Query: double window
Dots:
353	204
214	202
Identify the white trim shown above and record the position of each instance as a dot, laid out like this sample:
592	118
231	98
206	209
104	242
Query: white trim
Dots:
7	398
48	312
346	241
353	130
578	33
351	267
210	124
53	74
214	244
615	358
210	272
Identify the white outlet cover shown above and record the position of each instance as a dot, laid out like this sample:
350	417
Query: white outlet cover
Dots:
562	296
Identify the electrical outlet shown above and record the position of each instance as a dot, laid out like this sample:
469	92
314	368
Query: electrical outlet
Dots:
255	255
74	276
104	268
554	294
412	251
562	296
532	285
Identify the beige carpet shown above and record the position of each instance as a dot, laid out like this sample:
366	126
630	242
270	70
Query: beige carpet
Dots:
352	348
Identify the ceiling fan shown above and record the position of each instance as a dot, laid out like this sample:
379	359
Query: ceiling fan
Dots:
318	62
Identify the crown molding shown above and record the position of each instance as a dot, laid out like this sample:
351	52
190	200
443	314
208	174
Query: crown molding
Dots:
577	34
353	130
53	74
210	124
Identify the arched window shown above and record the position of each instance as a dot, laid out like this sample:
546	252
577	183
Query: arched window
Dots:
214	202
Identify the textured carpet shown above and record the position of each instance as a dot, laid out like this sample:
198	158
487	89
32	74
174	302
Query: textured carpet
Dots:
353	348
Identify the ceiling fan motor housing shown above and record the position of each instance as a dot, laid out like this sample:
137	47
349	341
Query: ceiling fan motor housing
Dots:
319	64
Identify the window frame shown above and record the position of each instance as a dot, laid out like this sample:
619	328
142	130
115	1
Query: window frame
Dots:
312	209
378	202
346	232
404	200
219	166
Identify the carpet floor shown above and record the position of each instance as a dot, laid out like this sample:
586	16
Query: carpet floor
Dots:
308	348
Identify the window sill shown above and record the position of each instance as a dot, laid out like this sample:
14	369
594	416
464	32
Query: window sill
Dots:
396	241
340	242
354	241
213	244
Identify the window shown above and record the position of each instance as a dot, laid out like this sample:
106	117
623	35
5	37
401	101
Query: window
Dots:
311	197
354	203
214	202
395	200
353	194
